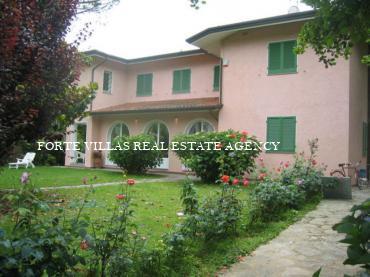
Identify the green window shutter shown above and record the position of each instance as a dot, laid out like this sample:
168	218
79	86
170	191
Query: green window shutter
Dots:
283	130
288	134
274	130
282	58
139	85
144	84
274	58
148	84
107	81
289	57
176	86
216	78
364	138
186	76
181	81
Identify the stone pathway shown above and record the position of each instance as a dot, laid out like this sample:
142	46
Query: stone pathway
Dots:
305	246
168	178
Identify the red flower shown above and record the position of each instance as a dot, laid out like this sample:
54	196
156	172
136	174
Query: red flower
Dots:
314	162
225	178
262	176
235	181
246	182
120	196
218	146
84	245
232	136
278	169
244	133
243	139
287	164
130	182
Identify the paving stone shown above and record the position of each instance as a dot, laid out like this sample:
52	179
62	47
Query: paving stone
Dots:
305	246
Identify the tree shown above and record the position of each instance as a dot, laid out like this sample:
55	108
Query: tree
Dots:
95	5
336	28
38	70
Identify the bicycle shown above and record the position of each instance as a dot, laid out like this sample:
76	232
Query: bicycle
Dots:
359	174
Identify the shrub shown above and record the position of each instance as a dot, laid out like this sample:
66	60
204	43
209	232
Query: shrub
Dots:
36	245
304	172
135	160
356	226
216	217
269	199
222	157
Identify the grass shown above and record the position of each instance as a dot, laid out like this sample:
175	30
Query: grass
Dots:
155	206
48	176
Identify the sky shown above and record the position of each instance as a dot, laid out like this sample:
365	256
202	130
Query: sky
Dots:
139	28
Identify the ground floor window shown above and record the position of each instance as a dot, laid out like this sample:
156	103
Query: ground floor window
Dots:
118	130
160	132
283	130
200	126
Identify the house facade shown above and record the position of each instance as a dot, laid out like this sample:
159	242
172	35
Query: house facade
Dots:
244	76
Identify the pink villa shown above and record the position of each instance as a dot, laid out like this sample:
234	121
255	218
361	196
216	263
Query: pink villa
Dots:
245	76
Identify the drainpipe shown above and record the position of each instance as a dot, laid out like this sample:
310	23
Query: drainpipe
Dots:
92	74
221	77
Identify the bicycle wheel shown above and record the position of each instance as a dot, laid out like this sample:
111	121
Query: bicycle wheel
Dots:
362	183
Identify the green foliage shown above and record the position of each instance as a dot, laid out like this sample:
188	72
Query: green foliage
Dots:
336	28
357	229
304	172
39	70
216	217
135	161
189	198
36	245
209	165
270	199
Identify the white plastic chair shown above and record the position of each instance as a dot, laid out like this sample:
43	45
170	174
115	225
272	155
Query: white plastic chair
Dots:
26	161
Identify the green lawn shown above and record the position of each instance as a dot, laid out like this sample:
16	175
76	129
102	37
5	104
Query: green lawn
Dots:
156	205
48	176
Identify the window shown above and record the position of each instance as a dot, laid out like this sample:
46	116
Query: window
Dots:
144	84
118	130
282	58
181	81
107	82
216	78
200	126
160	132
282	129
364	139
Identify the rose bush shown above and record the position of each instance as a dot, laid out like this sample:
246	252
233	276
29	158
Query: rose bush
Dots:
220	160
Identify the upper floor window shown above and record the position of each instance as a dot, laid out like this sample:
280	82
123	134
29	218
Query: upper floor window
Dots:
282	129
144	84
282	58
181	81
216	78
107	82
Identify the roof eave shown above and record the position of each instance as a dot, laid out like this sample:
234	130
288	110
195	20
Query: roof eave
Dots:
203	108
264	22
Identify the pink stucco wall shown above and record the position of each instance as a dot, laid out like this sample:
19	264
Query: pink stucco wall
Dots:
329	103
124	80
318	97
358	102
